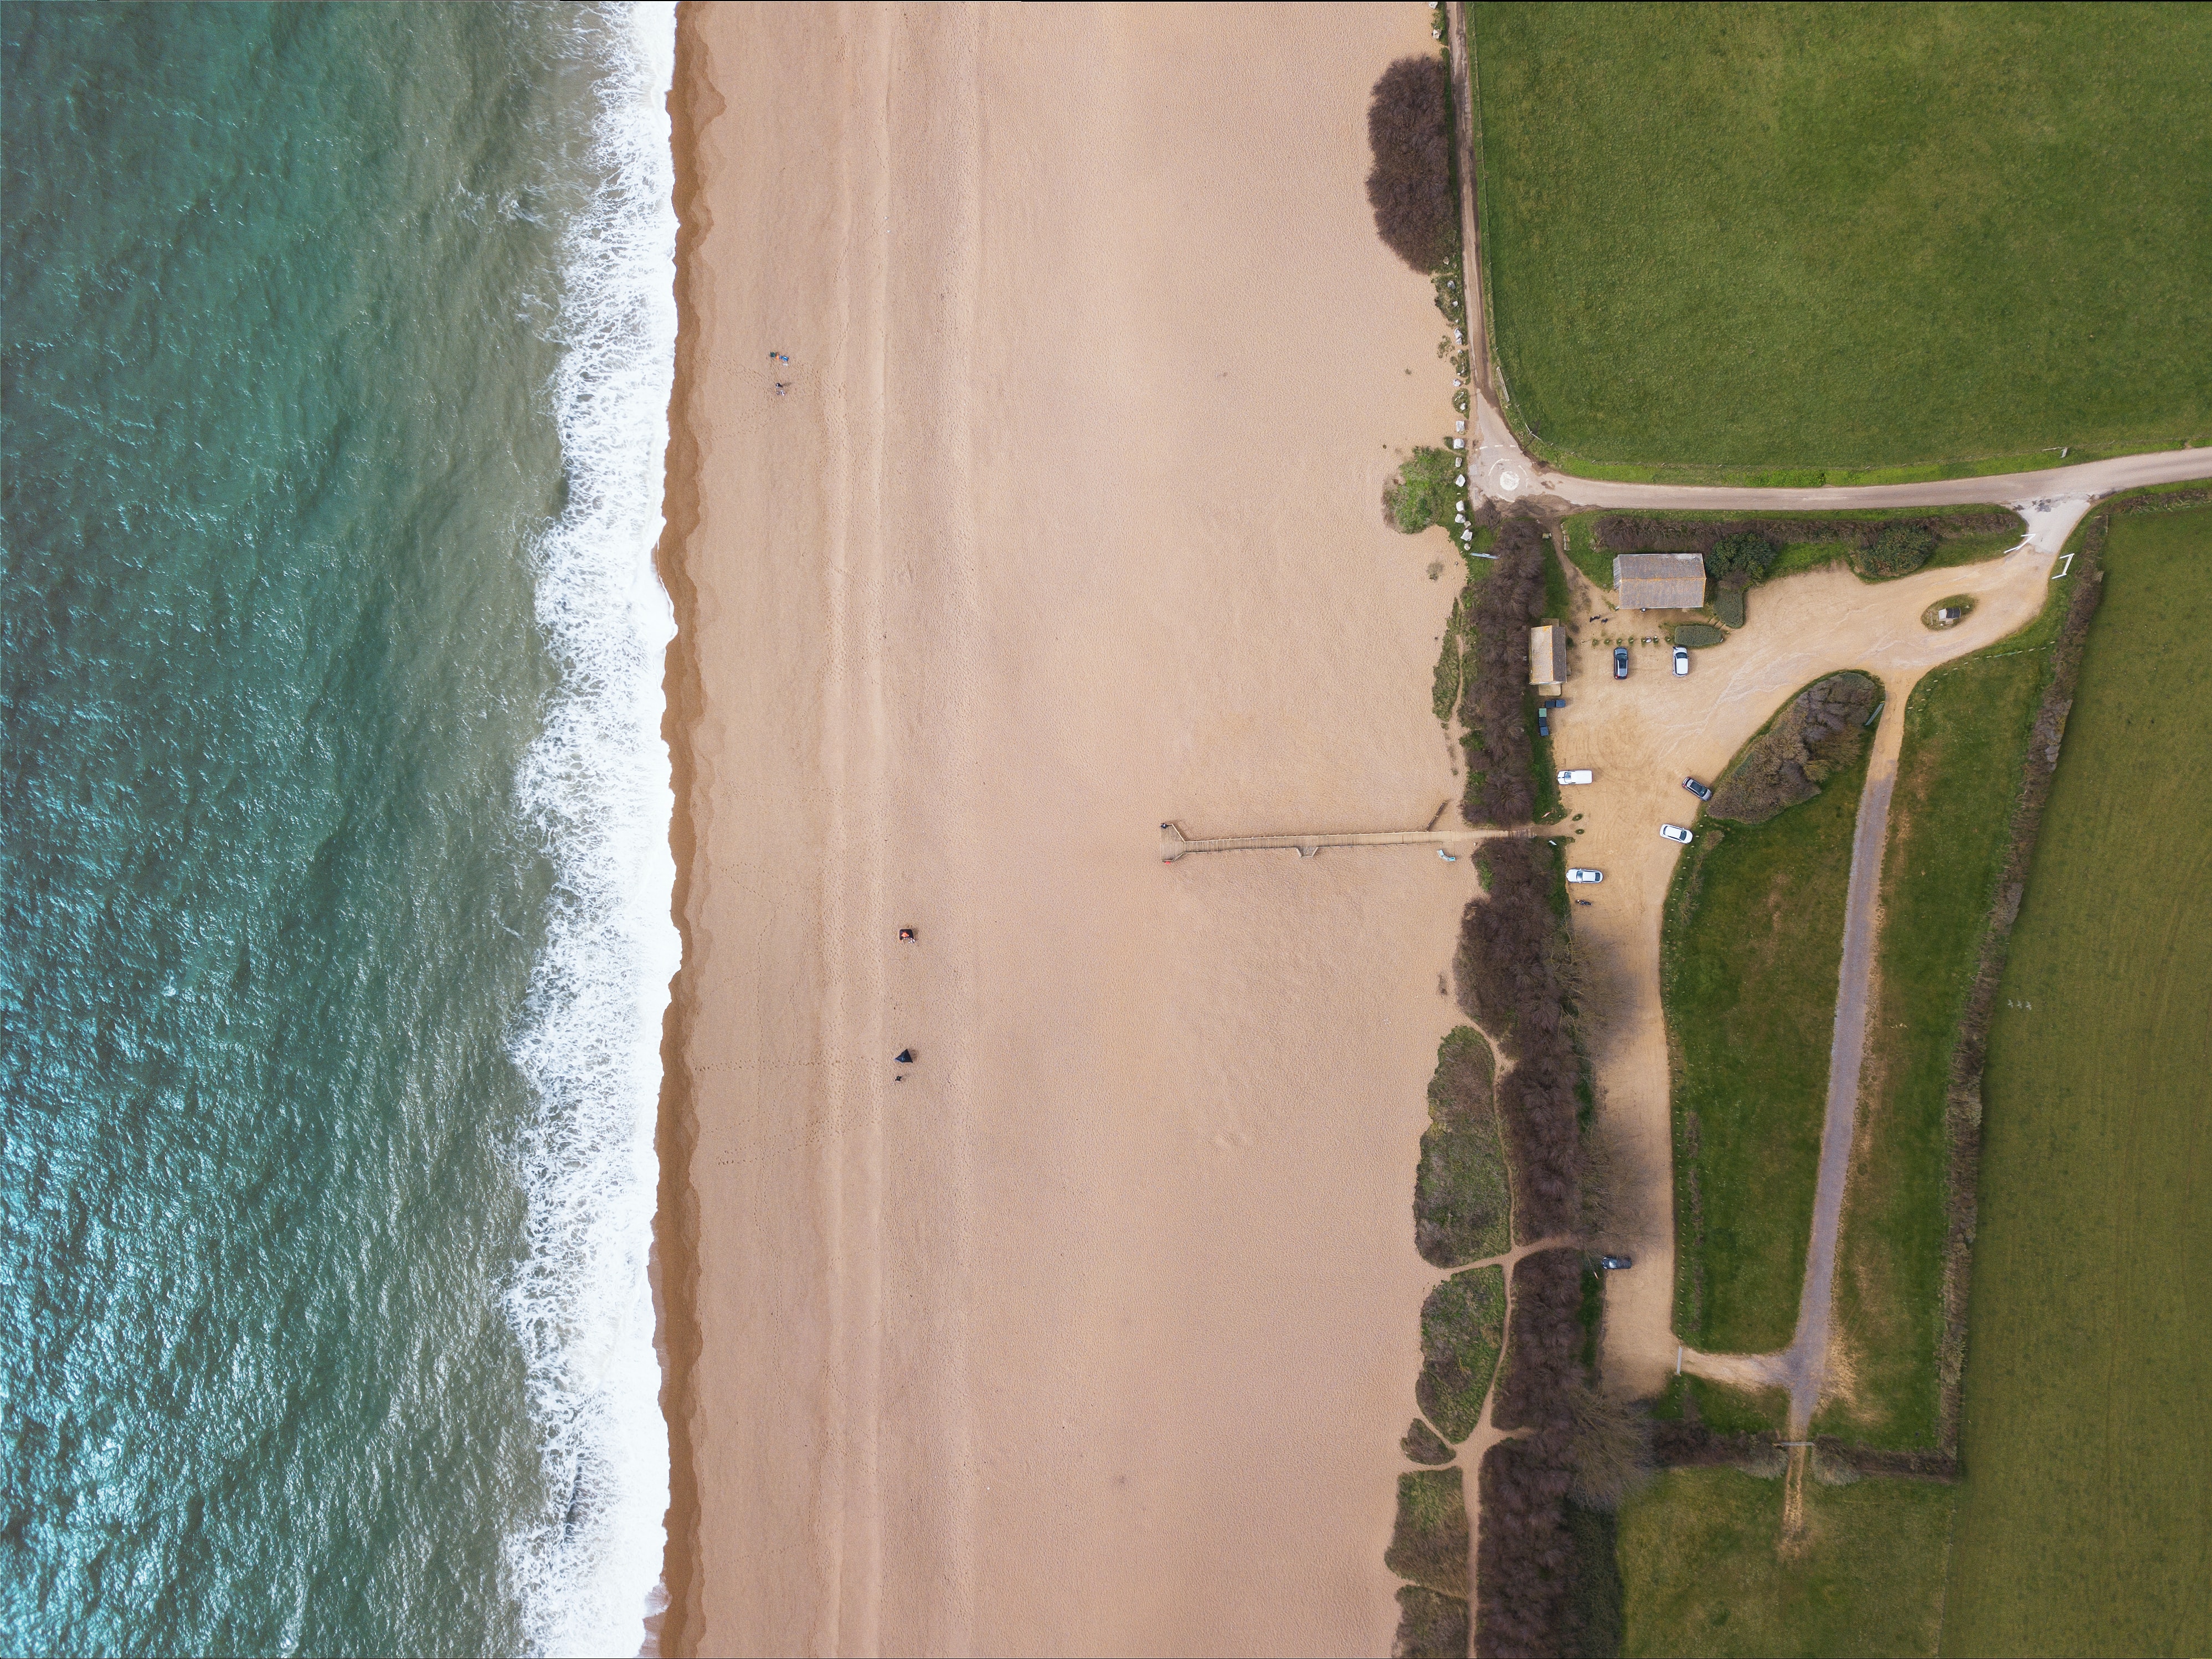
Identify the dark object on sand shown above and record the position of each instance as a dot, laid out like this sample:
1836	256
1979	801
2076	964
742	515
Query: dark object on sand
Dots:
1409	129
907	935
1613	1264
905	1057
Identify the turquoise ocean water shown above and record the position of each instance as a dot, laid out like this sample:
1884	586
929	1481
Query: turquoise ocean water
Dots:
334	871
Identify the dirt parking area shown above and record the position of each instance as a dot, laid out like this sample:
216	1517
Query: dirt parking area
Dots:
1641	736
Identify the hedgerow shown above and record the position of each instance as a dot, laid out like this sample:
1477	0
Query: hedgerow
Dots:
1410	187
1494	697
1818	734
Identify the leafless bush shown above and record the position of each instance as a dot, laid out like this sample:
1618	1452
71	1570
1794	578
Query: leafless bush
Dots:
1630	533
1543	1336
1430	1626
1409	129
1819	733
1501	787
1611	1451
1525	1569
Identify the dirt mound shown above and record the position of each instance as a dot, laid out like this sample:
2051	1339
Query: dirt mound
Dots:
1821	731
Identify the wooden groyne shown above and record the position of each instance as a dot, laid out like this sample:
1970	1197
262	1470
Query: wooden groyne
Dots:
1173	844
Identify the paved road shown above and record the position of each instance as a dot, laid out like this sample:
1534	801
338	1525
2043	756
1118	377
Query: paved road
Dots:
1505	472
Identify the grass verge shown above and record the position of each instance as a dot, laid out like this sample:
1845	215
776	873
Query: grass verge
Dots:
1429	1542
1966	730
1751	944
1755	237
2082	1524
1705	1571
1461	1198
1463	1328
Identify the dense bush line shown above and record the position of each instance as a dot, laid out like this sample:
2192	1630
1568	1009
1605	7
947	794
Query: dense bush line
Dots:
1633	533
1526	1568
1410	187
1900	550
1542	1364
1515	972
1817	735
1422	1444
1698	636
1494	698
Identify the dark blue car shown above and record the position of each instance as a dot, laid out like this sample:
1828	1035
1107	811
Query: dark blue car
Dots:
1620	662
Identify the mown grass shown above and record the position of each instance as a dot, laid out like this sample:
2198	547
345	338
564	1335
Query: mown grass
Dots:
1752	942
1823	237
1967	728
2082	1525
1704	1572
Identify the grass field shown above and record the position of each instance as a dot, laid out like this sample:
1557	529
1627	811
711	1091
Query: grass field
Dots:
2083	1526
1844	238
1704	1573
1750	949
1967	728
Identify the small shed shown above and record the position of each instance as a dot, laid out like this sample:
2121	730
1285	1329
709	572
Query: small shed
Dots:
1659	581
1547	654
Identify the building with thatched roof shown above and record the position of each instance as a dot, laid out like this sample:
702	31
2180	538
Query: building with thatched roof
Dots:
1659	581
1547	654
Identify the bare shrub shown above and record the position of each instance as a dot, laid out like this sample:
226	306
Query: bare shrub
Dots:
1900	550
1527	1563
1818	734
1611	1449
1409	130
1543	1363
1501	785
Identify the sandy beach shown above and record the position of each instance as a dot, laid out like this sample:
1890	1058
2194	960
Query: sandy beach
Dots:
1094	1328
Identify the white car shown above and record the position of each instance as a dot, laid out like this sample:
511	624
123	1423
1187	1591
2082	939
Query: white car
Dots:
1583	774
1681	660
1580	876
1675	832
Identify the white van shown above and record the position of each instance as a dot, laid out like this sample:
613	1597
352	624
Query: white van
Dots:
1582	775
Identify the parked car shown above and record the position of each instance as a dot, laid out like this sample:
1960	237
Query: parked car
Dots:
1620	662
1555	702
1681	660
1613	1264
1675	832
1696	789
1579	875
1581	775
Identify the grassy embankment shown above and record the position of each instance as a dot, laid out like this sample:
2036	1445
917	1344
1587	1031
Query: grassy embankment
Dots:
1706	1571
1751	945
1783	248
2082	1526
1966	729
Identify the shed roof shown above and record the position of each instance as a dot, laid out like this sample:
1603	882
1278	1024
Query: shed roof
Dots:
1547	654
1659	581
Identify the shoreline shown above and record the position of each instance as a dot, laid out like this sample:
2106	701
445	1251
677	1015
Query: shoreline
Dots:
674	1270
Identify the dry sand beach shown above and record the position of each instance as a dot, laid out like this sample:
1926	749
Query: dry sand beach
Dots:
1093	1329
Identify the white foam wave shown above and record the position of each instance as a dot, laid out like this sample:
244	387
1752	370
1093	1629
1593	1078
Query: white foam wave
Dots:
586	1570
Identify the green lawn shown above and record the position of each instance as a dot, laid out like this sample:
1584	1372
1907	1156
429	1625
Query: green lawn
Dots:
1751	946
1704	1572
1759	236
2084	1526
1967	728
